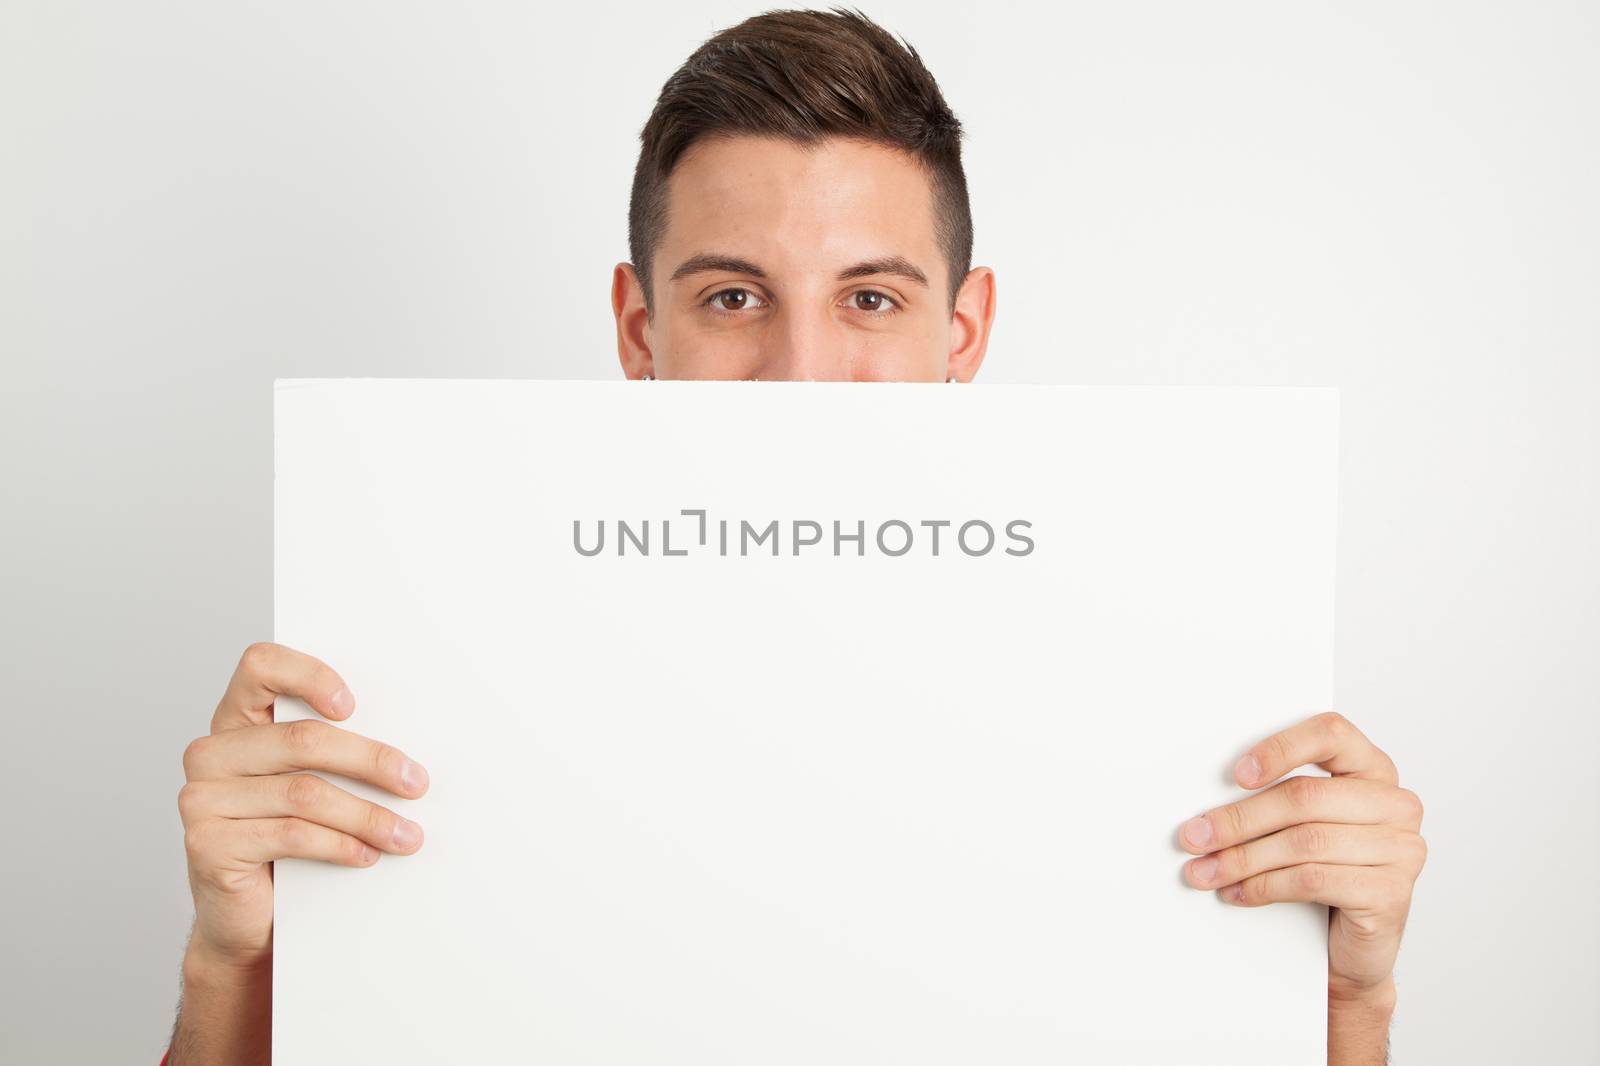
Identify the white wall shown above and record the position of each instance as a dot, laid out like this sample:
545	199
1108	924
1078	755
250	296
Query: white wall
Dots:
1397	199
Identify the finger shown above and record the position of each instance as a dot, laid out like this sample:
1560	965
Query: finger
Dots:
1346	887
267	671
1299	799
305	744
1324	842
304	796
221	842
1327	740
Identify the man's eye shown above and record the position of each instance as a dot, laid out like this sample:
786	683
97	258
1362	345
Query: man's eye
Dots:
732	301
874	302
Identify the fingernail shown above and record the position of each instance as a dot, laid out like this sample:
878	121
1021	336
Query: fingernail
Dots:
413	776
341	700
407	835
1233	893
1247	770
1197	830
368	853
1203	869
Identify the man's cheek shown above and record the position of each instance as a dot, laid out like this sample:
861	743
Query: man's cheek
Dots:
913	356
715	357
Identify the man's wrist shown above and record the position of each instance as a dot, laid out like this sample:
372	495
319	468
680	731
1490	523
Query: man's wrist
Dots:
206	968
1358	1022
226	1013
1355	1001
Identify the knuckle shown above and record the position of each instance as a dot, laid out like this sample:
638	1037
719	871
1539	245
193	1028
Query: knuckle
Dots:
304	792
195	838
1235	821
1311	878
1310	840
1335	724
353	851
294	835
194	756
256	658
1304	793
1253	890
386	761
1417	849
380	824
1277	752
1387	764
1411	805
303	737
1236	862
189	800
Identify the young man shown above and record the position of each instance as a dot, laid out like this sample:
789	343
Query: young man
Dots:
799	210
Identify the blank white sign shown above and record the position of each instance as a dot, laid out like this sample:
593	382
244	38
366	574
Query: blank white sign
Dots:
741	787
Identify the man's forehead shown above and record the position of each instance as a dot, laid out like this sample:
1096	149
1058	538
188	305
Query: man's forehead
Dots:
841	200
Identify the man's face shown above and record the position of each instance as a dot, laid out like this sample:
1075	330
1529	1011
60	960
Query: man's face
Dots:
783	262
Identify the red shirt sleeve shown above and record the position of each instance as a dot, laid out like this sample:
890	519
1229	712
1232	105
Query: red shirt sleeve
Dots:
164	1055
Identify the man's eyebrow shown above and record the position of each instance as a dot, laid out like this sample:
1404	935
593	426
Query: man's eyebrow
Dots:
699	264
898	265
889	264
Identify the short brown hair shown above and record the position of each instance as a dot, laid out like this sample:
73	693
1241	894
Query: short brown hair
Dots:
804	76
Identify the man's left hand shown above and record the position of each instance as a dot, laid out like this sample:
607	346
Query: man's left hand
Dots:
1350	841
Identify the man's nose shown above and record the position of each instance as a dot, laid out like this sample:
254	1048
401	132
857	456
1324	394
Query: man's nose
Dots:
805	346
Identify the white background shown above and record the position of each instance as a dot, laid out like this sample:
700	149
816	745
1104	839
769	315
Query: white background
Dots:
1395	199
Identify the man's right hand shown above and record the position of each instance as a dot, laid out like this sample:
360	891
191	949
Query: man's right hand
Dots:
247	802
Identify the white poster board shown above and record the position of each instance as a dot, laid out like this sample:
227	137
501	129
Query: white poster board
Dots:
839	804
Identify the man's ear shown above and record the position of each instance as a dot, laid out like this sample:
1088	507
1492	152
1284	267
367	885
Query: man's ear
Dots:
974	315
633	326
